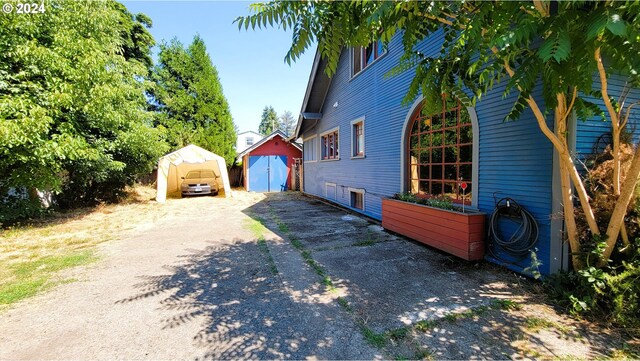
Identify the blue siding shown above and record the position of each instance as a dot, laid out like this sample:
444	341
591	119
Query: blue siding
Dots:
588	131
379	101
515	161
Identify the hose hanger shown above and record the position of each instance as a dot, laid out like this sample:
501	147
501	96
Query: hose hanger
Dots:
525	236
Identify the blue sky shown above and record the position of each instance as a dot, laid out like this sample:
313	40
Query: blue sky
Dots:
250	63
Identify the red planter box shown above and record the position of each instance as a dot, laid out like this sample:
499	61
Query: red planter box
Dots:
460	234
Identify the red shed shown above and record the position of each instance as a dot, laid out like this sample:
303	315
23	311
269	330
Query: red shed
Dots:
267	164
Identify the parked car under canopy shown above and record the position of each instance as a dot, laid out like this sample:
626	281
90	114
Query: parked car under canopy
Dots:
173	166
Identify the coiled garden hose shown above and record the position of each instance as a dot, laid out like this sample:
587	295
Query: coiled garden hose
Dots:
523	238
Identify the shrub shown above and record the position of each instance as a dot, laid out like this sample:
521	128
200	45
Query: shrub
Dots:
611	293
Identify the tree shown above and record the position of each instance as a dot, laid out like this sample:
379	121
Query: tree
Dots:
190	101
288	123
269	122
72	106
556	45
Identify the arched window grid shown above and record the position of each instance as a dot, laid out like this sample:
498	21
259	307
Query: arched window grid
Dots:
440	154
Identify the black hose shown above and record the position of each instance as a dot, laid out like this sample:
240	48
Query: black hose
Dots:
525	236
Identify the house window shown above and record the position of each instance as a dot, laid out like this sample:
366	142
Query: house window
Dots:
309	151
329	145
441	151
357	199
248	141
357	138
362	57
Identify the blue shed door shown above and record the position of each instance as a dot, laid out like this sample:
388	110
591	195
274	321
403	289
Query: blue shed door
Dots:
267	173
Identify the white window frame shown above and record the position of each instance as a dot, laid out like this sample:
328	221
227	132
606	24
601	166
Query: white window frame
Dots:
246	141
320	144
360	191
315	149
351	55
354	140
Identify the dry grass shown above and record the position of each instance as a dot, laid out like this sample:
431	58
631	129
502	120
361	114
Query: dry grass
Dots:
32	256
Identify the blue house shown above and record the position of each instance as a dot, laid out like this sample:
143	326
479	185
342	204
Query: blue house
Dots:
360	146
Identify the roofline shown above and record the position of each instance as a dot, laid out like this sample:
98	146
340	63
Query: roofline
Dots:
266	139
307	93
249	131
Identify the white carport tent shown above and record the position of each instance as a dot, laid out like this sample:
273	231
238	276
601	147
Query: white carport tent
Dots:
173	166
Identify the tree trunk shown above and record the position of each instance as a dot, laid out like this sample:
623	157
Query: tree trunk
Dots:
561	115
620	210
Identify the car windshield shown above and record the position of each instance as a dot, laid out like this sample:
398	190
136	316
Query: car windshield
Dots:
195	174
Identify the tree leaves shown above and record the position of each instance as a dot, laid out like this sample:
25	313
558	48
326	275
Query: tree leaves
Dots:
557	46
72	106
191	104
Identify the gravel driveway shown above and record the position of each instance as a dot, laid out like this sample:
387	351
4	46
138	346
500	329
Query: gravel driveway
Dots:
284	276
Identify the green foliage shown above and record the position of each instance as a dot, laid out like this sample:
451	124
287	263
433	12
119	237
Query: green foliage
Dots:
190	101
612	293
269	121
477	39
441	202
72	106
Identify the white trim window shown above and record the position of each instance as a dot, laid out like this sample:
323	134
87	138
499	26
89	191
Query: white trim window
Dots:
356	198
248	141
362	57
329	145
357	138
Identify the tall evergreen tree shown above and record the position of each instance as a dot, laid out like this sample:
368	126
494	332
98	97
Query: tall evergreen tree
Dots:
191	104
269	121
288	122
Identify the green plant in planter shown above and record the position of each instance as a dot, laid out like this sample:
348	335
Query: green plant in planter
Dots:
441	202
406	197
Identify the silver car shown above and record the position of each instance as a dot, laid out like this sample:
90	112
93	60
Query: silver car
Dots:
199	181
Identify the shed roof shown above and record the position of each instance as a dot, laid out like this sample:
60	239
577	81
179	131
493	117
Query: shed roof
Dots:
266	139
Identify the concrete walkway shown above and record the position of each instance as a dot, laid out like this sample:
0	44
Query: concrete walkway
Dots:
284	276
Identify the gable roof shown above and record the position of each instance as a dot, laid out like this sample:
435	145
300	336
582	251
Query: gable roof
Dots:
314	97
266	139
250	131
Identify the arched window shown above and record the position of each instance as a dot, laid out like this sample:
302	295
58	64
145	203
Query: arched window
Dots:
440	154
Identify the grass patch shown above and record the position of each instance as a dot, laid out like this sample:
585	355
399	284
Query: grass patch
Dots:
365	243
27	278
536	324
344	304
297	244
423	354
19	290
283	227
50	264
425	325
506	305
378	340
256	226
398	334
262	245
